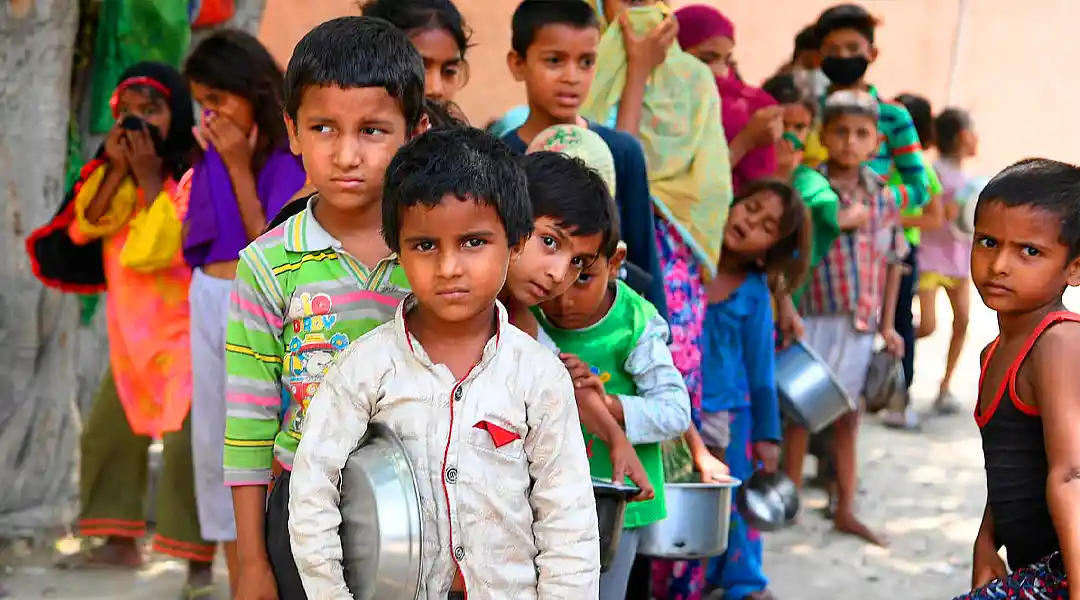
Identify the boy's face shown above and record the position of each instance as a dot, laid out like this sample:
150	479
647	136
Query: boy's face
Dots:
346	138
798	120
1018	262
455	256
845	43
550	261
753	224
587	300
850	139
558	69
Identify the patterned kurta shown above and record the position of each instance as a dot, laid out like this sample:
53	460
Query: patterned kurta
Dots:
498	457
851	276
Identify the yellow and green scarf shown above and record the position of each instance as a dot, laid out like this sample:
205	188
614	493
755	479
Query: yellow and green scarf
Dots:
685	146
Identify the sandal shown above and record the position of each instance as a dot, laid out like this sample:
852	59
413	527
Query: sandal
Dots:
206	592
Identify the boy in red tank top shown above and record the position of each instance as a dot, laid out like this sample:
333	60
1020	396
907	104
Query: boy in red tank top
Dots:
1026	252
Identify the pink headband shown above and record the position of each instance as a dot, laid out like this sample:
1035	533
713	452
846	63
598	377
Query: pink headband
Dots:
698	23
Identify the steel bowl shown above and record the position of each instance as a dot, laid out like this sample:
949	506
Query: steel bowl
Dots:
697	523
768	501
611	501
809	393
381	525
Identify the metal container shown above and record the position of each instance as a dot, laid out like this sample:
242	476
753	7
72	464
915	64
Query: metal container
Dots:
381	525
768	501
809	392
698	518
886	386
611	516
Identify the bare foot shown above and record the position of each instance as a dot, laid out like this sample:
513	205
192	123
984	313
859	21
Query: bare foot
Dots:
113	554
847	523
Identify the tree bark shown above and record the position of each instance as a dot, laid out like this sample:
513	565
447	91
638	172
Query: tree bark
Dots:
48	360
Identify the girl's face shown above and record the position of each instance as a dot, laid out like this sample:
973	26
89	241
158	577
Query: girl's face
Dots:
798	120
444	66
227	104
753	224
715	52
969	143
146	104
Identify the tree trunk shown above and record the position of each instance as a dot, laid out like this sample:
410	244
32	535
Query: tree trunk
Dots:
48	360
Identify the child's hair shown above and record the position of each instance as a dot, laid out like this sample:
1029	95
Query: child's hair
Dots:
533	15
465	163
849	102
567	190
444	115
784	90
947	129
845	16
786	262
354	52
806	41
922	115
1042	184
164	84
412	15
235	61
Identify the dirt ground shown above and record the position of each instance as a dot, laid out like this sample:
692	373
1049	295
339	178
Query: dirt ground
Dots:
925	490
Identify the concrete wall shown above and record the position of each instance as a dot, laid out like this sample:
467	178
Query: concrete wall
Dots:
1001	69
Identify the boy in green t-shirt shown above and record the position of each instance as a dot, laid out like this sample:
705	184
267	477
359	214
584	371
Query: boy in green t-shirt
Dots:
614	343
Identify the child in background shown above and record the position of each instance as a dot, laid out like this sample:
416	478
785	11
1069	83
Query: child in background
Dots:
914	219
574	223
767	239
820	198
846	34
554	50
478	403
614	343
945	253
306	289
438	32
246	174
1026	254
129	202
852	292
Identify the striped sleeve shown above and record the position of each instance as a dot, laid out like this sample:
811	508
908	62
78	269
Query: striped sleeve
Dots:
906	153
253	362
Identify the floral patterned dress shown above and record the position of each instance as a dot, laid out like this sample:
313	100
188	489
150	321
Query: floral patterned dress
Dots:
685	290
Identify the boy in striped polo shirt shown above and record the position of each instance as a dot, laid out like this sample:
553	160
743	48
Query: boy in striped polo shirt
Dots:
309	287
846	35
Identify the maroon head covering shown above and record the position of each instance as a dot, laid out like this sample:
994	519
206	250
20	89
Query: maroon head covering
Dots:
697	24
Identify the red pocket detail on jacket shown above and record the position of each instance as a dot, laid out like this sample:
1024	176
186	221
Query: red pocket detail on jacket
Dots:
499	435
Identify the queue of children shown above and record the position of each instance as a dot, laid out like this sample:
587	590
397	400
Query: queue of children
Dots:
629	249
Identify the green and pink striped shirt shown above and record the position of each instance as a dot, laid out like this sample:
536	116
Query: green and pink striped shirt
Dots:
298	300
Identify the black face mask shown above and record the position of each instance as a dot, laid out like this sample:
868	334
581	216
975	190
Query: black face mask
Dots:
844	71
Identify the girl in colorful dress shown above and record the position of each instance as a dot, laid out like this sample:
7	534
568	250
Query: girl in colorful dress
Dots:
128	201
246	174
945	251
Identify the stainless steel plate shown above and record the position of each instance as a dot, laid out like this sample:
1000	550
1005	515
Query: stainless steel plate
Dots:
381	524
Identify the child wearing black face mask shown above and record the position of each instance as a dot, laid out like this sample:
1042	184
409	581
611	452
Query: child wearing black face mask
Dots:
845	33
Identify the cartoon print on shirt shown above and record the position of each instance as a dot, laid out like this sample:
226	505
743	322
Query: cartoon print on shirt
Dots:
311	350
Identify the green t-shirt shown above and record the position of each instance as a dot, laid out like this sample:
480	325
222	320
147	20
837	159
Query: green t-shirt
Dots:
913	234
823	204
606	346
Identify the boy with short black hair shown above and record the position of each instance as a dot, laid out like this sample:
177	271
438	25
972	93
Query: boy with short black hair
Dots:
485	412
553	51
852	291
1026	254
615	345
845	34
307	288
